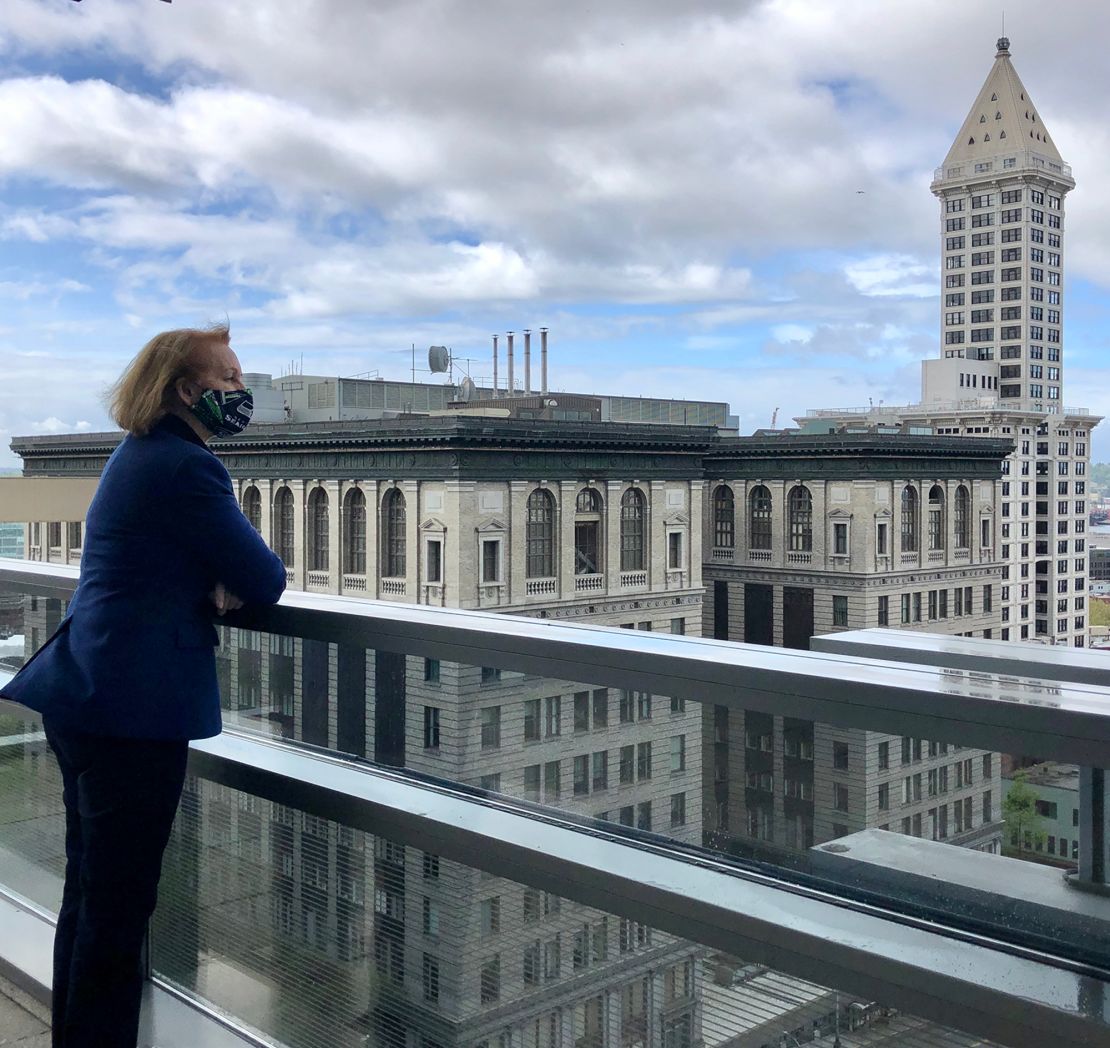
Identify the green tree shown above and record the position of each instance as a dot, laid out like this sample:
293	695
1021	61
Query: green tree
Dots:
1019	811
1100	475
1100	612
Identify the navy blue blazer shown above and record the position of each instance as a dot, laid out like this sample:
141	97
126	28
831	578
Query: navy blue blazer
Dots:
134	656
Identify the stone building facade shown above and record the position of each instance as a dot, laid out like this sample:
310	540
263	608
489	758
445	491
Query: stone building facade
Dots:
806	535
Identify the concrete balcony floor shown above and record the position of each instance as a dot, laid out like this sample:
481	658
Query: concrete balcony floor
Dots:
24	1022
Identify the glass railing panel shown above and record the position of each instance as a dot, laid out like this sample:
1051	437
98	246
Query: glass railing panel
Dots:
32	817
314	935
767	790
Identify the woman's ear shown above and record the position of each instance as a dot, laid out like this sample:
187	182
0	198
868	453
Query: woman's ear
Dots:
187	391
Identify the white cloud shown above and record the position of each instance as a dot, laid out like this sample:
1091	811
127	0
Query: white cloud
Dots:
893	275
56	425
344	179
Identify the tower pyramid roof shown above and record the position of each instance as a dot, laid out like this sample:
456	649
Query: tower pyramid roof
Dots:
1002	119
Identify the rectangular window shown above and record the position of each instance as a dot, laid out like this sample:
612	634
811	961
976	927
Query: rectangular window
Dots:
840	610
552	781
553	720
431	727
581	711
678	810
840	539
884	611
434	561
601	707
678	753
581	774
643	761
532	776
491	727
491	560
531	720
674	550
840	797
627	761
599	769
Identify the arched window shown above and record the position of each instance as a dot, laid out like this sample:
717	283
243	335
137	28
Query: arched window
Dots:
800	516
588	501
911	519
354	532
632	530
759	518
393	534
283	526
540	536
936	517
317	530
963	518
252	507
724	517
587	532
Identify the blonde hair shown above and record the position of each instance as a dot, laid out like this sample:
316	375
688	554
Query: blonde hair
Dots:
145	391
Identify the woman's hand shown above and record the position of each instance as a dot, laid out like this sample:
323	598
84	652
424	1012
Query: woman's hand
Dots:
224	599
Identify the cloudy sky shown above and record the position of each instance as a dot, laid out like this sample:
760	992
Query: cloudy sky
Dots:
706	199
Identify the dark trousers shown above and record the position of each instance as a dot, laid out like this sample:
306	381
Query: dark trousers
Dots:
120	798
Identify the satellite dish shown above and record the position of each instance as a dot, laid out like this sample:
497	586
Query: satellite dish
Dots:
467	389
439	359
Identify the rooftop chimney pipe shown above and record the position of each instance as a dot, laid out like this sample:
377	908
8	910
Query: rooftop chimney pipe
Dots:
495	366
510	341
527	362
543	361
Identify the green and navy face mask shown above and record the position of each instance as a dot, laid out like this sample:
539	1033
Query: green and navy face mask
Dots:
225	413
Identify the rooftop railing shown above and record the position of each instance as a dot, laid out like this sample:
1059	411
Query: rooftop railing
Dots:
429	826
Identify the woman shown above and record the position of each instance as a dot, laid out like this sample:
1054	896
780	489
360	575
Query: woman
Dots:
130	676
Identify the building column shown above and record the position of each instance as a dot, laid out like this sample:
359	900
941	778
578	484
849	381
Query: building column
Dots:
565	495
334	491
300	547
697	516
515	540
266	520
656	537
612	536
414	554
373	490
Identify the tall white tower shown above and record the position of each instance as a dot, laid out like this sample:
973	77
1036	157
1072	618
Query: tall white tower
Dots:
1002	188
1000	372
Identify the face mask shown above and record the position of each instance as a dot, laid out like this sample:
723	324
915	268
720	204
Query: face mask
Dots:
225	414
